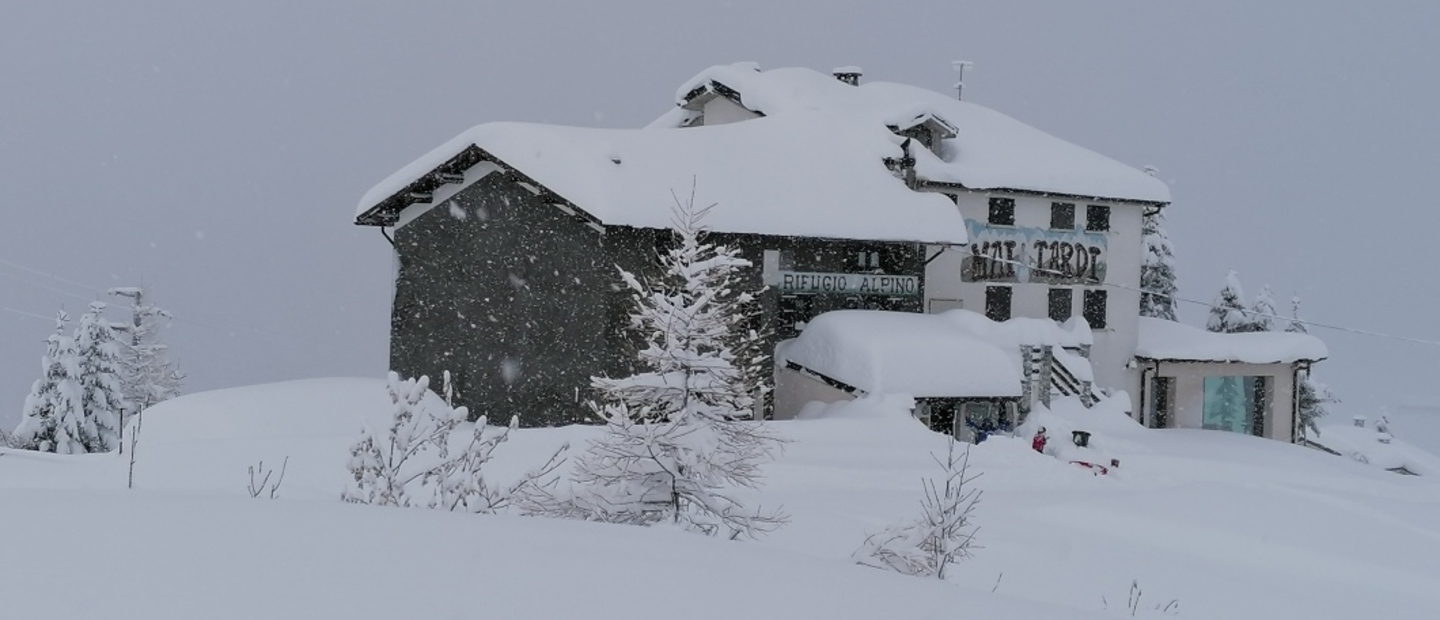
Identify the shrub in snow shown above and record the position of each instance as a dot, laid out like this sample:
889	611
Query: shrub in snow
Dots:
1228	313
940	536
53	416
677	443
413	464
1157	270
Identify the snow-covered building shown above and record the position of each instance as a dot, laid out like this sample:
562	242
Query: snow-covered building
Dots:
1244	383
844	195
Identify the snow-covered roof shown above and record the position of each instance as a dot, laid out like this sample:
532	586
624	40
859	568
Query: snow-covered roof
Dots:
991	152
814	176
920	355
1167	340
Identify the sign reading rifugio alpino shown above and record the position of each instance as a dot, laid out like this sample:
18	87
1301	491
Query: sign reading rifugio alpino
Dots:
1013	254
849	284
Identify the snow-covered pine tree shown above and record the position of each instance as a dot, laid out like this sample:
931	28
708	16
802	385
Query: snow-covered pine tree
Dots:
53	414
677	442
1227	313
148	376
1157	269
1230	394
1262	313
1313	397
102	397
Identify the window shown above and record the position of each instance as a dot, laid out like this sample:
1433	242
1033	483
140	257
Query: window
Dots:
1097	218
1062	215
997	302
1060	304
1162	390
1002	211
1094	310
1235	404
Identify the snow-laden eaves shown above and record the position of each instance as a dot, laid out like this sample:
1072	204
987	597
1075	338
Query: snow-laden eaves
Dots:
814	176
919	355
1170	341
991	151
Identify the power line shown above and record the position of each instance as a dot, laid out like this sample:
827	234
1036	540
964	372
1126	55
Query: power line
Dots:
29	314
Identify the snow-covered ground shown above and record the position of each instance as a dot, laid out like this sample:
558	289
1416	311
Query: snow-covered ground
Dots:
1228	526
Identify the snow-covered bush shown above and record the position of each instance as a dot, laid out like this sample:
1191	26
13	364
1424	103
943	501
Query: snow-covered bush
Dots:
678	444
412	463
940	536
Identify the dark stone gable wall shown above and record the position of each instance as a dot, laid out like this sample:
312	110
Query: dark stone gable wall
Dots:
509	294
522	302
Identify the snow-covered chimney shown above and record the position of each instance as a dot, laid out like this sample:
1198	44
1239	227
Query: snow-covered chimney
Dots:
848	75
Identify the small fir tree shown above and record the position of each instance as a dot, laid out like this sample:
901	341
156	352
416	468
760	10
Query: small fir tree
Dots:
102	398
53	416
677	445
1157	270
1227	313
1230	401
1262	313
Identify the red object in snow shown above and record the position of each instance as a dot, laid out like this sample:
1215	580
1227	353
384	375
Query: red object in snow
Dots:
1094	468
1039	442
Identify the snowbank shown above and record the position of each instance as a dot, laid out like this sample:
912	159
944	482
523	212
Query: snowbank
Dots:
992	150
1228	525
1168	340
1380	449
920	355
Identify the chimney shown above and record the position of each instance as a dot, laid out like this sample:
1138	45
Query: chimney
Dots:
848	75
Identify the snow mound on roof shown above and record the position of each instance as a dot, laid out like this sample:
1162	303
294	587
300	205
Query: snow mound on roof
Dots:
1168	340
992	150
814	176
920	355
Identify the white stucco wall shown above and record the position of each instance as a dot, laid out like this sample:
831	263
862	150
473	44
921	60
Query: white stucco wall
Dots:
1189	386
719	111
794	389
1115	343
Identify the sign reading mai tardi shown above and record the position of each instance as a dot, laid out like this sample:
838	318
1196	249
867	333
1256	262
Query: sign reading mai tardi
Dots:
851	283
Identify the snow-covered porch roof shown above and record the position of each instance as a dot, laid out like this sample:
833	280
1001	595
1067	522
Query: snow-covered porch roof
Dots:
1168	341
919	355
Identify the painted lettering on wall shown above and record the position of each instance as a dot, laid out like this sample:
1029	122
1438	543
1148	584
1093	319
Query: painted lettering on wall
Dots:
849	283
1012	254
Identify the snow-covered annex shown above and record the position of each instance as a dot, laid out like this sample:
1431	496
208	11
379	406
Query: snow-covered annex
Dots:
906	243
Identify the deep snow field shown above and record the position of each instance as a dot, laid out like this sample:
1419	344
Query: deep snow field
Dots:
1210	524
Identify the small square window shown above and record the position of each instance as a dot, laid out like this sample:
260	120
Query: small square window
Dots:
1097	218
1062	215
1061	300
997	303
1095	302
1002	211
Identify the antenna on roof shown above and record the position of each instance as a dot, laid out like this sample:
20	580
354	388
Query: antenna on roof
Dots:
960	66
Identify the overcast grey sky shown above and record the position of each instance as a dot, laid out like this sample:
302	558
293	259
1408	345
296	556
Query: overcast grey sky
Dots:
215	152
